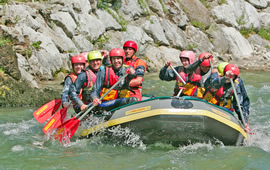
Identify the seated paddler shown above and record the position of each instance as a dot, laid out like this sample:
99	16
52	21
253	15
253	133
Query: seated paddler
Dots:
85	81
219	91
109	76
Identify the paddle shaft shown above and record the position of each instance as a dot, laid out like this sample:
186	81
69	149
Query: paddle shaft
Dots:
183	81
237	101
87	111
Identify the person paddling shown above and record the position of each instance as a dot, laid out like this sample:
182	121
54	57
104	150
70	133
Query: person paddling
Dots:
139	65
107	77
186	58
200	70
86	81
78	64
219	91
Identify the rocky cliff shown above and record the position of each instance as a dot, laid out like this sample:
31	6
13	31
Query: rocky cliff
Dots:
43	35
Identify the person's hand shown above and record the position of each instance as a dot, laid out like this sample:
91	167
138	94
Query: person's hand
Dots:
131	71
96	101
167	64
104	53
83	107
247	128
229	74
208	56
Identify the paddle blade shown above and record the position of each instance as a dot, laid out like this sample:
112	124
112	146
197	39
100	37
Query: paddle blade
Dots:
56	120
47	110
67	130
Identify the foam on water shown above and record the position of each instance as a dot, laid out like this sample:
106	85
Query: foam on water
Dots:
17	148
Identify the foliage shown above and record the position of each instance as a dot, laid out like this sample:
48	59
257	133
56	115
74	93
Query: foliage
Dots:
36	45
247	31
204	2
144	5
191	46
264	33
99	43
199	24
62	69
221	2
163	7
118	18
1	70
115	4
4	42
241	20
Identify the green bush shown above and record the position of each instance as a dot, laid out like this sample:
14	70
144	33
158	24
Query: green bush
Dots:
264	33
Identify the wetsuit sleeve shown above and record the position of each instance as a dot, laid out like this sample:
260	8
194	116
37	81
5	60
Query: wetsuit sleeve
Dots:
215	81
98	84
167	74
76	88
64	95
192	67
243	100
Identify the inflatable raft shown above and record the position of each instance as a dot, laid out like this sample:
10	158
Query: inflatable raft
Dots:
178	121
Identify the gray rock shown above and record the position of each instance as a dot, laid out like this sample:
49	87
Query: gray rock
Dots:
153	28
108	21
258	3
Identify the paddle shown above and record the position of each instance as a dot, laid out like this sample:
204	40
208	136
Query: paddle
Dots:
67	129
238	103
179	78
47	110
58	119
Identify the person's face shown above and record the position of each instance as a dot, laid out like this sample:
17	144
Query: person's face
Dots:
117	62
185	62
129	52
95	64
77	67
205	69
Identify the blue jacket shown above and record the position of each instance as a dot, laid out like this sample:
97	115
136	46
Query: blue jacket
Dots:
217	82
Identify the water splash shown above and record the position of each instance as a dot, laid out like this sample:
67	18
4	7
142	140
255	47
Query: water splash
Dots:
17	148
127	137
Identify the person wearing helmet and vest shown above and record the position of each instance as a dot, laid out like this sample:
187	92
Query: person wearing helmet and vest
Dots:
139	65
109	76
186	58
224	95
86	81
221	67
200	70
78	64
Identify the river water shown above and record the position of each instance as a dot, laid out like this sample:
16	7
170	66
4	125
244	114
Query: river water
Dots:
24	146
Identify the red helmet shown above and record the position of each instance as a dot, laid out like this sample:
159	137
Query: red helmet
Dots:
115	52
233	68
190	55
206	61
131	44
78	59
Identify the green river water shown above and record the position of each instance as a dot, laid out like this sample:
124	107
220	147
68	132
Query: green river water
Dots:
24	146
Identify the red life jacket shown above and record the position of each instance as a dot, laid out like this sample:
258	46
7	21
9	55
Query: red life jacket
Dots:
110	79
192	83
